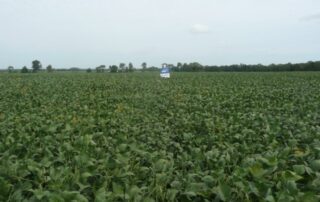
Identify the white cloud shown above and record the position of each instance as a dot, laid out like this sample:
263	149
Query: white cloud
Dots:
314	17
200	28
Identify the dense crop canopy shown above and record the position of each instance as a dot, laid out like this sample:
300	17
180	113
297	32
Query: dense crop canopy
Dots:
194	137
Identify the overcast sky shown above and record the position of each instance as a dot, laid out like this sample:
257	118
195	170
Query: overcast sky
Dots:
88	33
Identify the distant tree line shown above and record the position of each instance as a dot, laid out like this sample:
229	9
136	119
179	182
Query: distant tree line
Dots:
197	67
122	68
180	67
36	66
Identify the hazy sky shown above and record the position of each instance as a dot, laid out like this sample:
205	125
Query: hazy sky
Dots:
88	33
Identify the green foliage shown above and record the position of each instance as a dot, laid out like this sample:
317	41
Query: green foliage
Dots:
113	68
137	137
36	65
101	68
24	70
196	67
131	69
144	66
122	67
10	69
49	68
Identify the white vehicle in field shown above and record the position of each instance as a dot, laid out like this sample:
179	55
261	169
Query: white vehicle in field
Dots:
165	71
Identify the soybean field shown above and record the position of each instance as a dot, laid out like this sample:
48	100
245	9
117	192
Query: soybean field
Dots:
137	137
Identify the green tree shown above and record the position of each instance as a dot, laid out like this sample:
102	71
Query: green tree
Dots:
195	66
131	67
179	66
122	67
144	66
89	70
36	65
113	68
100	69
170	66
49	68
10	69
185	67
24	70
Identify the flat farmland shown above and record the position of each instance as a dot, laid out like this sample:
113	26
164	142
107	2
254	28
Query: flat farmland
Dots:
137	137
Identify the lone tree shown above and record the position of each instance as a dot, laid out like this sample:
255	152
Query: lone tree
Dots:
24	70
36	65
113	68
122	67
89	70
100	69
10	69
49	68
130	67
144	66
